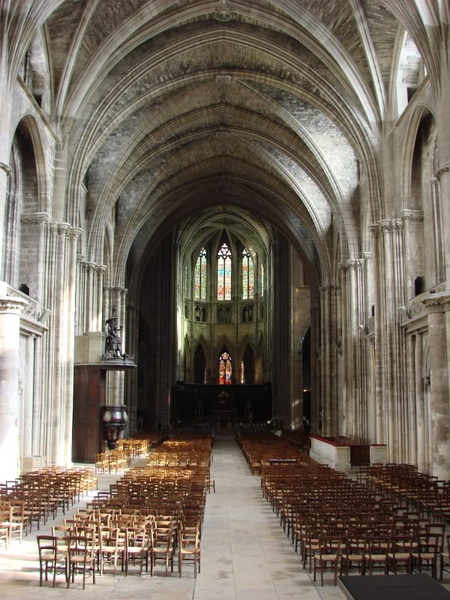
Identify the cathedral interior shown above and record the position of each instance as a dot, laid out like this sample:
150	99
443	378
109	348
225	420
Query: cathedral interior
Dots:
255	193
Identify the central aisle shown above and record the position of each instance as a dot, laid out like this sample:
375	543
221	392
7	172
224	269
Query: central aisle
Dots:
245	553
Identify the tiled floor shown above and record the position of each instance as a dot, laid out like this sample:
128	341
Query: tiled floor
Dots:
245	553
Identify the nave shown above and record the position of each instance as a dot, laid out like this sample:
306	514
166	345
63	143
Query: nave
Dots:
245	553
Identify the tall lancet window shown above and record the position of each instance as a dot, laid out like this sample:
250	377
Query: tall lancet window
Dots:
248	276
224	273
262	281
200	276
225	369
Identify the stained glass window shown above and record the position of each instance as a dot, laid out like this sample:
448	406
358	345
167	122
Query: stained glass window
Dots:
242	372
225	369
224	273
248	276
200	276
262	280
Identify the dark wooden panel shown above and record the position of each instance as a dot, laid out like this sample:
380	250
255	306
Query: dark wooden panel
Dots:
89	395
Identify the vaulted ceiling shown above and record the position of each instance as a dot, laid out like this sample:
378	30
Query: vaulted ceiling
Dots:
167	109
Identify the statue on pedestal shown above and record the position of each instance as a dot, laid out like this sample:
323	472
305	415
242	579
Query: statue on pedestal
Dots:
113	344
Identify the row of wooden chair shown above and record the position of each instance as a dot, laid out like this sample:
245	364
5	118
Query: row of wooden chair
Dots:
89	551
340	524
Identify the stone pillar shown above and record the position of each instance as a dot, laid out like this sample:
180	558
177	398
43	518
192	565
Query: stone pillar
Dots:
5	171
378	433
390	341
443	175
10	310
59	330
71	270
438	309
421	423
316	395
329	332
115	386
131	388
354	347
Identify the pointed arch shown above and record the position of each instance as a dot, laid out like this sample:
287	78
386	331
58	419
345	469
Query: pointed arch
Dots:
225	367
248	365
200	366
224	269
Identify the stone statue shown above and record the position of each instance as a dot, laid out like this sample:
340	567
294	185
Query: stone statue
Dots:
113	344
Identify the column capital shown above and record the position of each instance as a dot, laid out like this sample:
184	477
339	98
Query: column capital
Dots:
36	218
389	225
352	264
416	216
91	266
74	233
117	288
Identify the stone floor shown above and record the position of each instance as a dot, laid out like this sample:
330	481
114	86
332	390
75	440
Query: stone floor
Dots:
245	553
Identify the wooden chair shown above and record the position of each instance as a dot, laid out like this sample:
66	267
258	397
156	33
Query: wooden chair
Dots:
428	552
80	558
138	547
189	547
111	547
377	549
51	558
354	552
163	545
400	552
329	553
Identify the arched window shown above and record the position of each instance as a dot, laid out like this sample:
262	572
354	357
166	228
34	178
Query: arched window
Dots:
200	276
199	365
248	276
225	369
224	273
262	281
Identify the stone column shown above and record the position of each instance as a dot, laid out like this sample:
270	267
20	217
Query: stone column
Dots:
316	395
10	310
71	269
421	424
353	347
5	171
438	308
115	390
329	365
59	298
378	432
390	342
131	387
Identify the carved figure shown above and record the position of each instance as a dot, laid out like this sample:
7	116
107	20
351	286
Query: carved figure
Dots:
113	345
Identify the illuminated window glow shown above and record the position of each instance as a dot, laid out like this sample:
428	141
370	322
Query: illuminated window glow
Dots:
225	369
200	276
224	273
